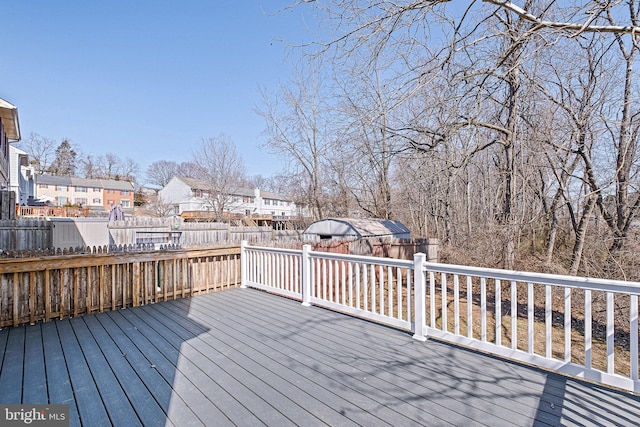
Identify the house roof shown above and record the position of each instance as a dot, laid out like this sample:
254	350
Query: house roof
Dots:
112	184
109	184
200	184
357	227
195	184
9	116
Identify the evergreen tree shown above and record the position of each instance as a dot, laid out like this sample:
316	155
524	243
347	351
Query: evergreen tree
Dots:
65	162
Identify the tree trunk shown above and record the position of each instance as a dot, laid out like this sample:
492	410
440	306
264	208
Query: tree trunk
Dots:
581	232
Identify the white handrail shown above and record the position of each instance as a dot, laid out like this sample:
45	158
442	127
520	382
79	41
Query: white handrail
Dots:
508	313
540	278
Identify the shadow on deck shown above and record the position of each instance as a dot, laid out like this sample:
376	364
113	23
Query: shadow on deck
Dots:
244	357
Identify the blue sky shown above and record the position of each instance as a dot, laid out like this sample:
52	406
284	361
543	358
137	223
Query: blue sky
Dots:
147	79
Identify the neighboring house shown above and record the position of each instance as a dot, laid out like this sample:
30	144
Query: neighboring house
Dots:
21	176
117	192
188	194
88	193
9	132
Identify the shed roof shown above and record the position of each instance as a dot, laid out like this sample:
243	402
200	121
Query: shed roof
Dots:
9	116
358	227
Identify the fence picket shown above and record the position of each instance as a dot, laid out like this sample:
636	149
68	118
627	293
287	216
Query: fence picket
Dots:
36	289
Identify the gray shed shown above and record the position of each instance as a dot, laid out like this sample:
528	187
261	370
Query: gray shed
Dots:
339	228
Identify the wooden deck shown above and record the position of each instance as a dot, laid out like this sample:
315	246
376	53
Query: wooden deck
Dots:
243	357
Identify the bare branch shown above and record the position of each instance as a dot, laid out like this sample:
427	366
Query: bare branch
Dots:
567	26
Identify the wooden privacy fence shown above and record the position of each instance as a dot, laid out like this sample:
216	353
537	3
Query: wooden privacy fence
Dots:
54	287
190	234
25	234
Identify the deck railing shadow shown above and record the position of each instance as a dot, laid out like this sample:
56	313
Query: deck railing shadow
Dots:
430	300
102	366
427	300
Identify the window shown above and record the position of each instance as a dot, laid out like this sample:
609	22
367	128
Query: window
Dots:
126	203
62	188
125	192
96	189
247	199
267	202
81	189
43	186
81	201
97	200
110	202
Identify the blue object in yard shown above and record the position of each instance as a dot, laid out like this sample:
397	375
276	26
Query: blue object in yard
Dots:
116	213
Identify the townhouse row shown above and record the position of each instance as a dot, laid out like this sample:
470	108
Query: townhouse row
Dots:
194	195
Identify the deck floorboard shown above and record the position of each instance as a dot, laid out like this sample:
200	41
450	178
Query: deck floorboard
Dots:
390	378
122	363
11	376
116	402
58	381
157	387
34	388
4	334
89	402
247	358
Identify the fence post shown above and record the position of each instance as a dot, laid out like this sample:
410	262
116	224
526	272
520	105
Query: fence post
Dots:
306	275
420	296
432	249
243	264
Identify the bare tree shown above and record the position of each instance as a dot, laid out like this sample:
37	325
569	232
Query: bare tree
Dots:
187	169
476	104
109	166
159	208
159	173
297	131
41	151
221	167
624	132
88	167
575	85
128	169
367	103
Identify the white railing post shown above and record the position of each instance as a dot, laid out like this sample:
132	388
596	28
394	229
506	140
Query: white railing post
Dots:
243	264
420	296
306	275
634	336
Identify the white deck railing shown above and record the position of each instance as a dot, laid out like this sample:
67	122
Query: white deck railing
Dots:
580	326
